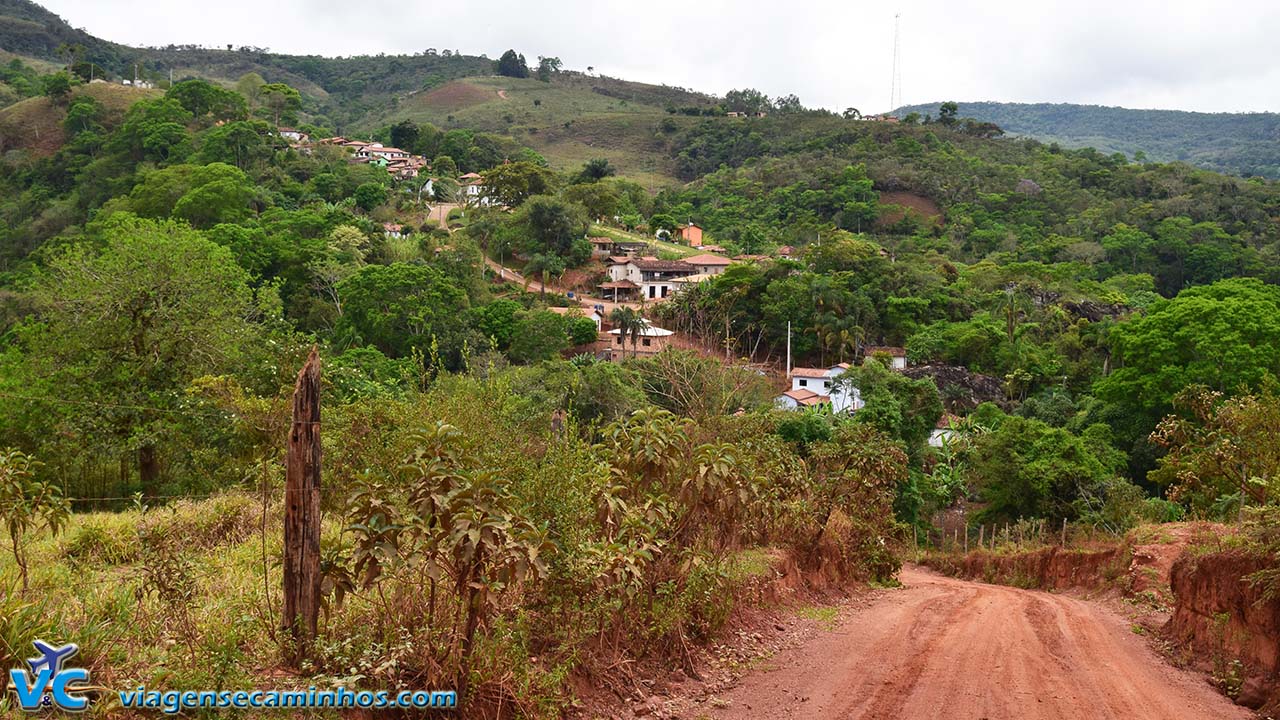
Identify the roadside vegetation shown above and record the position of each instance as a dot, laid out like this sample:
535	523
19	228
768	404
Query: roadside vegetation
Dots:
1092	343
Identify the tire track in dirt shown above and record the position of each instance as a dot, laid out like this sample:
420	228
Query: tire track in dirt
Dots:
942	647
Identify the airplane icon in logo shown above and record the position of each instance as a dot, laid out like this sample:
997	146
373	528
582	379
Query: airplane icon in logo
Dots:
51	657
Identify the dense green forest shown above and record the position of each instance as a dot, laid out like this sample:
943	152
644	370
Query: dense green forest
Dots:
1235	143
505	511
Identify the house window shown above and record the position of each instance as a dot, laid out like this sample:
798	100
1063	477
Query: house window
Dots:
646	342
804	383
619	339
653	291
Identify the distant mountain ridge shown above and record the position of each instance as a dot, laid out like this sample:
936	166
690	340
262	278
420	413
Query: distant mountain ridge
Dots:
1245	144
348	91
580	116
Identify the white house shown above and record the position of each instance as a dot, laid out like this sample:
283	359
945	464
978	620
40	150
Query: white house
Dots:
652	276
796	399
817	386
293	135
944	431
393	230
472	185
709	264
896	356
376	151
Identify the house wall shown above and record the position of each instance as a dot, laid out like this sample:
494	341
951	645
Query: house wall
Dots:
655	290
938	435
818	385
786	403
620	346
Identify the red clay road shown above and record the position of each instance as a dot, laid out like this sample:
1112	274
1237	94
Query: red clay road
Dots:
946	648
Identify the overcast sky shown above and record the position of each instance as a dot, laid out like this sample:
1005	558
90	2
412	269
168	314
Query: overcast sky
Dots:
1208	56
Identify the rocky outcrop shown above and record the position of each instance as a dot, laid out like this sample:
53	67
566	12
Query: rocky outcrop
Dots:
962	389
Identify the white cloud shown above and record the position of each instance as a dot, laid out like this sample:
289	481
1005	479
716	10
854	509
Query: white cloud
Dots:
1135	53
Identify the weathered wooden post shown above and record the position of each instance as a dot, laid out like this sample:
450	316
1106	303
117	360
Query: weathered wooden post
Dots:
982	536
966	539
302	514
1064	532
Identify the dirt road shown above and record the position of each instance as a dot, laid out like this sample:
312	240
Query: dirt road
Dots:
946	648
534	286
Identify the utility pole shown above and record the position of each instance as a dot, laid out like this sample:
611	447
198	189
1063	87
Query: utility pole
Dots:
788	349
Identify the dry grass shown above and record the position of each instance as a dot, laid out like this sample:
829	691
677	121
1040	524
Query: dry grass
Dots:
565	120
34	125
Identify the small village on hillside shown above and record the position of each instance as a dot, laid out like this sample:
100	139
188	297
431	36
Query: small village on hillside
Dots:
367	378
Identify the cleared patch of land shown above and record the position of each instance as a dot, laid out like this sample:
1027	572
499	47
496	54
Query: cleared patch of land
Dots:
34	125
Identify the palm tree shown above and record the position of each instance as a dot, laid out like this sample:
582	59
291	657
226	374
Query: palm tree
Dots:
629	323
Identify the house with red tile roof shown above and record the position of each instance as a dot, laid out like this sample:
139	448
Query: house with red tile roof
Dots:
651	276
709	264
822	383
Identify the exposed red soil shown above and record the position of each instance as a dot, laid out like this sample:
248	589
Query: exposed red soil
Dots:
1222	616
942	647
926	209
455	96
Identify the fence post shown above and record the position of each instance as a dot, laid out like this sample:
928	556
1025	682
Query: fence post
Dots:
966	539
982	536
1064	532
302	514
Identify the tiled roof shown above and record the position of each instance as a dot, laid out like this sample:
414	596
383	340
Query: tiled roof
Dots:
807	398
620	285
708	259
809	372
663	265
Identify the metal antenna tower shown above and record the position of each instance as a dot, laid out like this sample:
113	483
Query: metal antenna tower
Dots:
895	80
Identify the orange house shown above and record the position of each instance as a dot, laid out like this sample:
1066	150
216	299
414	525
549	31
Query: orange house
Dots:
690	234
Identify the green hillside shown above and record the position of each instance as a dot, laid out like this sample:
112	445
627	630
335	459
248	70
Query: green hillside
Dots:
35	124
1236	143
569	120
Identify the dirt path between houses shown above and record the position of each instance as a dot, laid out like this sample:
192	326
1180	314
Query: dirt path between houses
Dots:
941	647
533	286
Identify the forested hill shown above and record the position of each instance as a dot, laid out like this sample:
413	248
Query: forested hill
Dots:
343	92
1237	143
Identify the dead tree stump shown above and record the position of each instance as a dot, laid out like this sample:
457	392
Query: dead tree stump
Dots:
302	514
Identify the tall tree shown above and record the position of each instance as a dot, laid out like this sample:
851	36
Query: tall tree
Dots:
512	64
282	101
120	332
548	66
